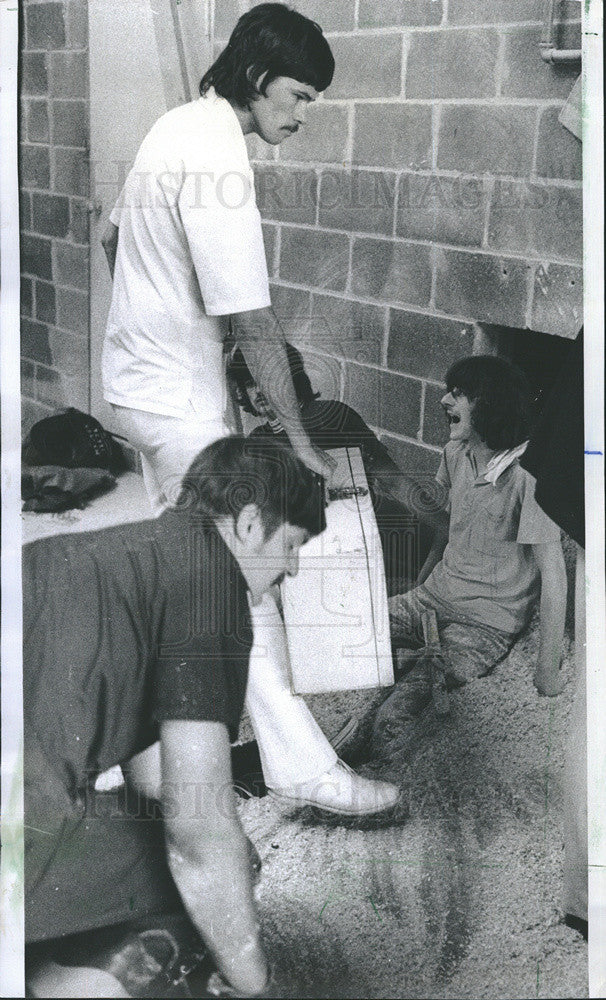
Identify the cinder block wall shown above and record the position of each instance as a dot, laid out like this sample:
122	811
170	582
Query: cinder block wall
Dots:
54	179
433	189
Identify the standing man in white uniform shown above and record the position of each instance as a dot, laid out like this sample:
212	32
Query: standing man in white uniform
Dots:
189	256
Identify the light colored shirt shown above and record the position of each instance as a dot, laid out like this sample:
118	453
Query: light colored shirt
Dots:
190	253
488	571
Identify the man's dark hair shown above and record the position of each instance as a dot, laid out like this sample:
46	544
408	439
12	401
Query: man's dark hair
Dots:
241	378
235	471
503	411
275	40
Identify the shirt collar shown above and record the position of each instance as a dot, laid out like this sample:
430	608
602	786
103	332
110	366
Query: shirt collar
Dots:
501	460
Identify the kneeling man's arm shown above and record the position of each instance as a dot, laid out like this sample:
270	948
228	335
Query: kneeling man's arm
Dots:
554	586
207	848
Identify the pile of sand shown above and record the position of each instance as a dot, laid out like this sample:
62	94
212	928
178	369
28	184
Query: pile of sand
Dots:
459	894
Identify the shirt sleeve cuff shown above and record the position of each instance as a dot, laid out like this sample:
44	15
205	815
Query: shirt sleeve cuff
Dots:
219	308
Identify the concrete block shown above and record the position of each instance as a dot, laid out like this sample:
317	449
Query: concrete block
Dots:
70	171
494	11
400	410
559	153
69	75
70	353
484	287
393	135
524	73
36	120
51	214
77	392
72	310
45	25
292	307
435	425
77	24
323	138
28	379
69	123
269	239
34	163
426	345
568	35
27	297
34	342
36	257
338	15
384	400
537	219
71	265
366	66
34	79
316	258
414	458
451	64
46	306
419	13
569	10
362	391
487	139
358	200
49	387
349	329
79	220
392	272
25	211
557	305
442	209
31	412
286	193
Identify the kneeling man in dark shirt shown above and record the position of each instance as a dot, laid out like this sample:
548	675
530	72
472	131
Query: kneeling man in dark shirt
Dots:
134	633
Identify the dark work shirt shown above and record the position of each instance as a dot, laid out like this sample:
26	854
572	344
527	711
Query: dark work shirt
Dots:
124	628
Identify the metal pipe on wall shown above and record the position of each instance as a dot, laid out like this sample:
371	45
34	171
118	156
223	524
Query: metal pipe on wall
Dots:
549	51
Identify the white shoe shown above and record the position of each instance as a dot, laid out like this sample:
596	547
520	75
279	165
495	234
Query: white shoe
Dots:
341	790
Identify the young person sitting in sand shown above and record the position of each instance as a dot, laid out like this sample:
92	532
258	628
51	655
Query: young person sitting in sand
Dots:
502	556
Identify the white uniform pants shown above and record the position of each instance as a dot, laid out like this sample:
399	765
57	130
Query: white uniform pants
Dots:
292	746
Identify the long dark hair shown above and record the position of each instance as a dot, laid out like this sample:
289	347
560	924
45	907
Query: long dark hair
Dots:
503	412
275	40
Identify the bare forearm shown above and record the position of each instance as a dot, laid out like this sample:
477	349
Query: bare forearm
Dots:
552	610
207	849
214	880
262	342
551	634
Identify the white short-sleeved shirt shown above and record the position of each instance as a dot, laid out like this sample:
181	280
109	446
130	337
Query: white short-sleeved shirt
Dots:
190	251
488	571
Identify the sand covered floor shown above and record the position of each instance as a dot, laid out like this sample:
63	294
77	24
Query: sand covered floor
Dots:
457	895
